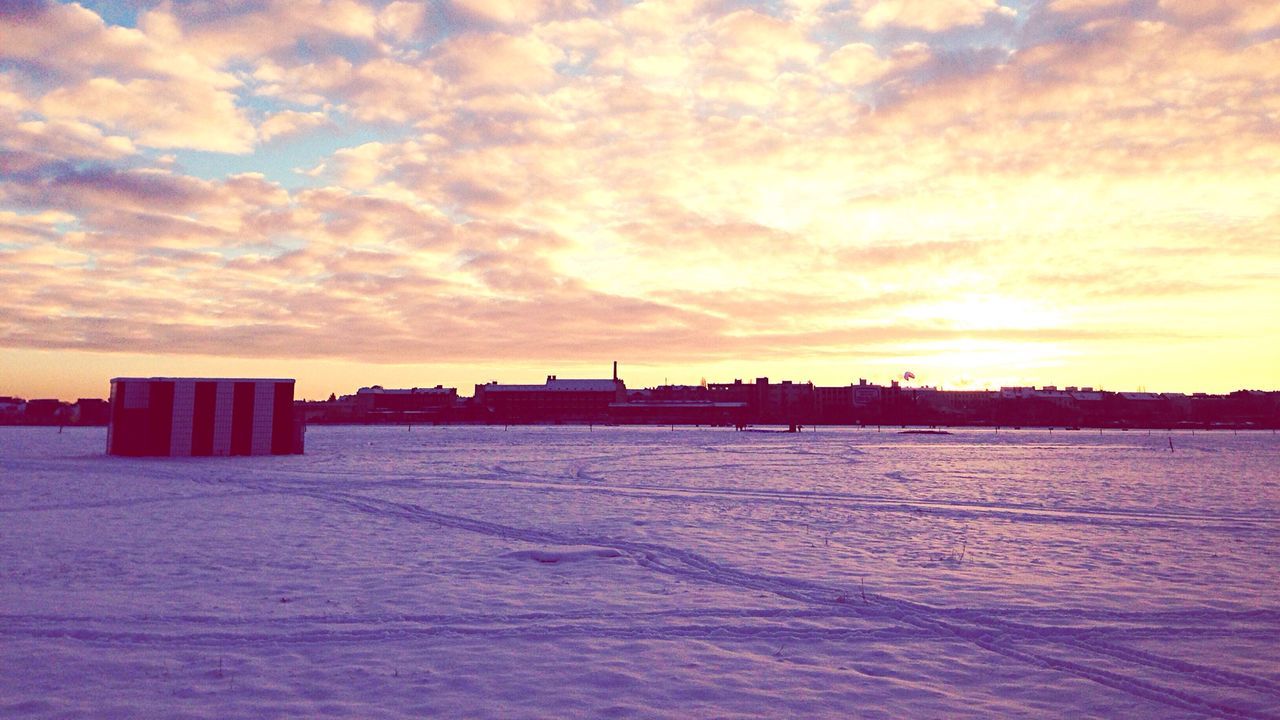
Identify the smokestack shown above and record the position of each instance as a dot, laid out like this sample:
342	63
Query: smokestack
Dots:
615	370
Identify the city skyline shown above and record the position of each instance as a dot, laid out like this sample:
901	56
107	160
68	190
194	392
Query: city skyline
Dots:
1023	192
472	379
609	401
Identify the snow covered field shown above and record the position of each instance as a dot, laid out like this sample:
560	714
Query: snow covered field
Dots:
625	572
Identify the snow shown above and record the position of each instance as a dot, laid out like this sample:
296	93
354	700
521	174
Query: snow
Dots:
632	572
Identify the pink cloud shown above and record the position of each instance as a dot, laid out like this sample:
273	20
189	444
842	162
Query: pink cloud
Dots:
729	181
759	45
290	122
74	42
928	15
149	88
158	113
495	61
380	90
217	34
401	20
1240	15
861	64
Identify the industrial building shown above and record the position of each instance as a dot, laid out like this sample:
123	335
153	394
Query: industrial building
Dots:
556	400
203	416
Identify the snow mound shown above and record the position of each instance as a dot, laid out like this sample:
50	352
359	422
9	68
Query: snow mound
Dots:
564	553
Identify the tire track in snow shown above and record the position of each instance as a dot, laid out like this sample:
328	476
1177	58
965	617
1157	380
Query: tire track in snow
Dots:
506	478
131	502
1196	617
261	632
1208	675
1091	634
960	509
972	629
1094	643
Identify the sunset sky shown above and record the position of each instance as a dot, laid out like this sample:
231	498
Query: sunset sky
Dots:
1079	192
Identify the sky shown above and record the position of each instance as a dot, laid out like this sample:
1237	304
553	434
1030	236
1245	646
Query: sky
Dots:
983	192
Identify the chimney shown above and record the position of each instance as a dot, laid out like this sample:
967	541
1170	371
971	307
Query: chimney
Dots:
615	370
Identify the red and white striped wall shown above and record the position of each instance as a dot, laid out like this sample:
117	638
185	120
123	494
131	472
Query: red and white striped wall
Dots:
203	416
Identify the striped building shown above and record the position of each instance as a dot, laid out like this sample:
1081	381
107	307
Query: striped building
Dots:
203	416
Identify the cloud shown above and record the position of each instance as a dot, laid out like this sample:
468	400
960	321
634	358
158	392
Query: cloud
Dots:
648	180
495	61
1130	284
107	187
1240	15
382	90
759	45
147	87
860	63
54	41
20	229
927	15
218	34
916	254
29	146
503	12
158	113
290	122
1088	6
401	20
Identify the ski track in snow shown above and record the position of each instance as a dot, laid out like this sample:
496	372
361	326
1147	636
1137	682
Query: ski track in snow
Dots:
1086	643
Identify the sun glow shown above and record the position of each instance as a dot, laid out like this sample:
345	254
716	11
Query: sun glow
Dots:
995	312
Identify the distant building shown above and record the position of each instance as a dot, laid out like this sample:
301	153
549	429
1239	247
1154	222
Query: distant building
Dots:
677	405
90	411
866	395
203	416
957	405
380	399
736	391
835	404
335	410
553	401
12	407
780	403
45	411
